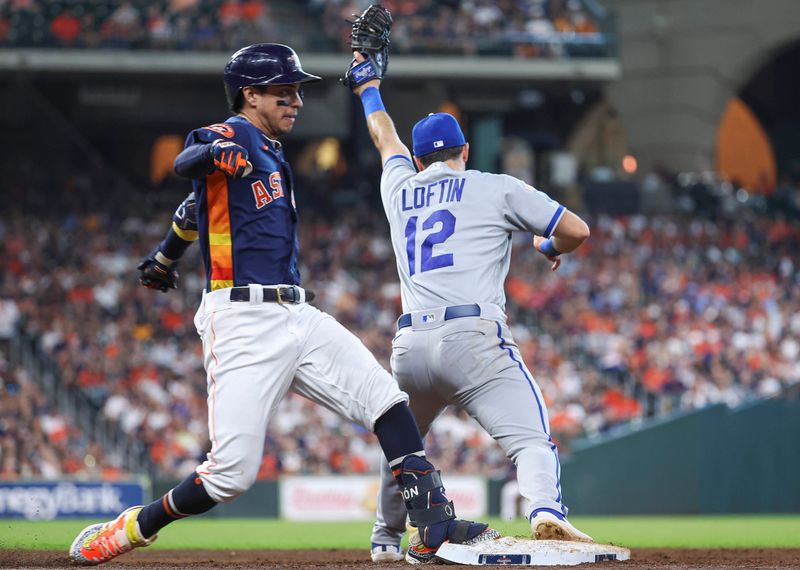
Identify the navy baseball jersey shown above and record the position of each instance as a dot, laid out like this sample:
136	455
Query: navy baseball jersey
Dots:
247	228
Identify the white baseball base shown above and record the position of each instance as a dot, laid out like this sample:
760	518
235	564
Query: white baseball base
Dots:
526	552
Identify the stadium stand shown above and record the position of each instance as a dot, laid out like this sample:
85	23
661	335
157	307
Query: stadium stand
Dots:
37	441
540	28
631	327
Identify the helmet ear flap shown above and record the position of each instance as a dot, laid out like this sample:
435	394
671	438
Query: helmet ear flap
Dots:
235	105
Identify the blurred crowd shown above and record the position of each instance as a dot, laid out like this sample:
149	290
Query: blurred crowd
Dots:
526	28
134	352
653	314
206	25
663	312
37	441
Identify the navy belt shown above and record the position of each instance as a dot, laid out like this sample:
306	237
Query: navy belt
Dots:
281	295
454	312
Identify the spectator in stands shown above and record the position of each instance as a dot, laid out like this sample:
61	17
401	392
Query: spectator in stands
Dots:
65	28
9	317
123	28
160	29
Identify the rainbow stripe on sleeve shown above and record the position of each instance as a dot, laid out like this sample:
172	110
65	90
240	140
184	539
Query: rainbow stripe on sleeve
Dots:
219	231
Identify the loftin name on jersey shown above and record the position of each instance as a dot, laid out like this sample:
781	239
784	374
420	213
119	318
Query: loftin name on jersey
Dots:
448	190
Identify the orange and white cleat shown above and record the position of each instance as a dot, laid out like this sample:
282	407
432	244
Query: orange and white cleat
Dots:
102	542
419	553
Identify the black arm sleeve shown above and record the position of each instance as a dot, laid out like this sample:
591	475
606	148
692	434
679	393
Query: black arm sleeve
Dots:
172	246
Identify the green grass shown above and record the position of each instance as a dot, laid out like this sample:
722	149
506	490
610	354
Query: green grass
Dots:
776	531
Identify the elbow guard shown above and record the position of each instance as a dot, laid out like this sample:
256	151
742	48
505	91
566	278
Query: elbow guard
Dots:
184	221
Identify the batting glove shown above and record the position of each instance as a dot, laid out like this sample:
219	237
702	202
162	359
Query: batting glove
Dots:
155	275
231	158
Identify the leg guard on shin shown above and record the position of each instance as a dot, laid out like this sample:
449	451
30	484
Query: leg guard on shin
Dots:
428	507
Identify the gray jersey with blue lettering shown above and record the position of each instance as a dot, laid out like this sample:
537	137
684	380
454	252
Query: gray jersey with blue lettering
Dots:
451	233
451	230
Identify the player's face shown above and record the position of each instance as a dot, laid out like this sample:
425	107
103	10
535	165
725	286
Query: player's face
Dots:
277	108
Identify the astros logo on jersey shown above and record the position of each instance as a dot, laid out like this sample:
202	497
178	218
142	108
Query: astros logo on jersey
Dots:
262	195
222	129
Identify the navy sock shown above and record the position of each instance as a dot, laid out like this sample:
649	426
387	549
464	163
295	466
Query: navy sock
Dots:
188	498
398	435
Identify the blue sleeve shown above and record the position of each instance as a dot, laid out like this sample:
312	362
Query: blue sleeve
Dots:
394	156
195	161
172	246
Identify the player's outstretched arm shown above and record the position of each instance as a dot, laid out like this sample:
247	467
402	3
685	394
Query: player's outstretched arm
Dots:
197	161
159	269
369	40
379	123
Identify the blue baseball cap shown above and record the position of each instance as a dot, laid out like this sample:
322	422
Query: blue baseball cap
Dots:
436	132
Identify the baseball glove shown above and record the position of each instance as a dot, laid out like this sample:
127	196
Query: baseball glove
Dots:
156	275
370	37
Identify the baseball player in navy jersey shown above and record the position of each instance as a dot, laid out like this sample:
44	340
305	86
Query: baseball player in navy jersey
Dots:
451	233
260	336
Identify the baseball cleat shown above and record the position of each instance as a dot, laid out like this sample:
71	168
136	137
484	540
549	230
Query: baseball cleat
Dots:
102	542
547	525
418	553
386	553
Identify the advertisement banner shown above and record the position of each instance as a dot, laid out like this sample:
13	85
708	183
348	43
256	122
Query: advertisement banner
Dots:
355	498
39	500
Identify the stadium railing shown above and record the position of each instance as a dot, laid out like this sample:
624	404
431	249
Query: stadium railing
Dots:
25	351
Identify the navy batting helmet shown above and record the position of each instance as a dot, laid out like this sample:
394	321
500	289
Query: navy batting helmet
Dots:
263	64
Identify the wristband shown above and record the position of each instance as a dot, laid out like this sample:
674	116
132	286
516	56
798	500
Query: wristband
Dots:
547	248
371	99
163	259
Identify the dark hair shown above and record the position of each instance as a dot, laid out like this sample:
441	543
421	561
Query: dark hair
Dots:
440	155
238	101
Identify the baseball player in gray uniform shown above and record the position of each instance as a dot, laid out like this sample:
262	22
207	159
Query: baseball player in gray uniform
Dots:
451	233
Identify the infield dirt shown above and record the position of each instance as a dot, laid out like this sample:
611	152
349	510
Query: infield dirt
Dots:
643	558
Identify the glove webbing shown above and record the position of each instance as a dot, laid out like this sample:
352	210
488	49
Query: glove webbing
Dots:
365	37
371	29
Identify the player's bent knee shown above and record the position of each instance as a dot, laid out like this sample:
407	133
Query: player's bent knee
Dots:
227	483
225	487
382	395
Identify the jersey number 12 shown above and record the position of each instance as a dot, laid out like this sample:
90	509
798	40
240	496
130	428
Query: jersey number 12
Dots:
428	261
